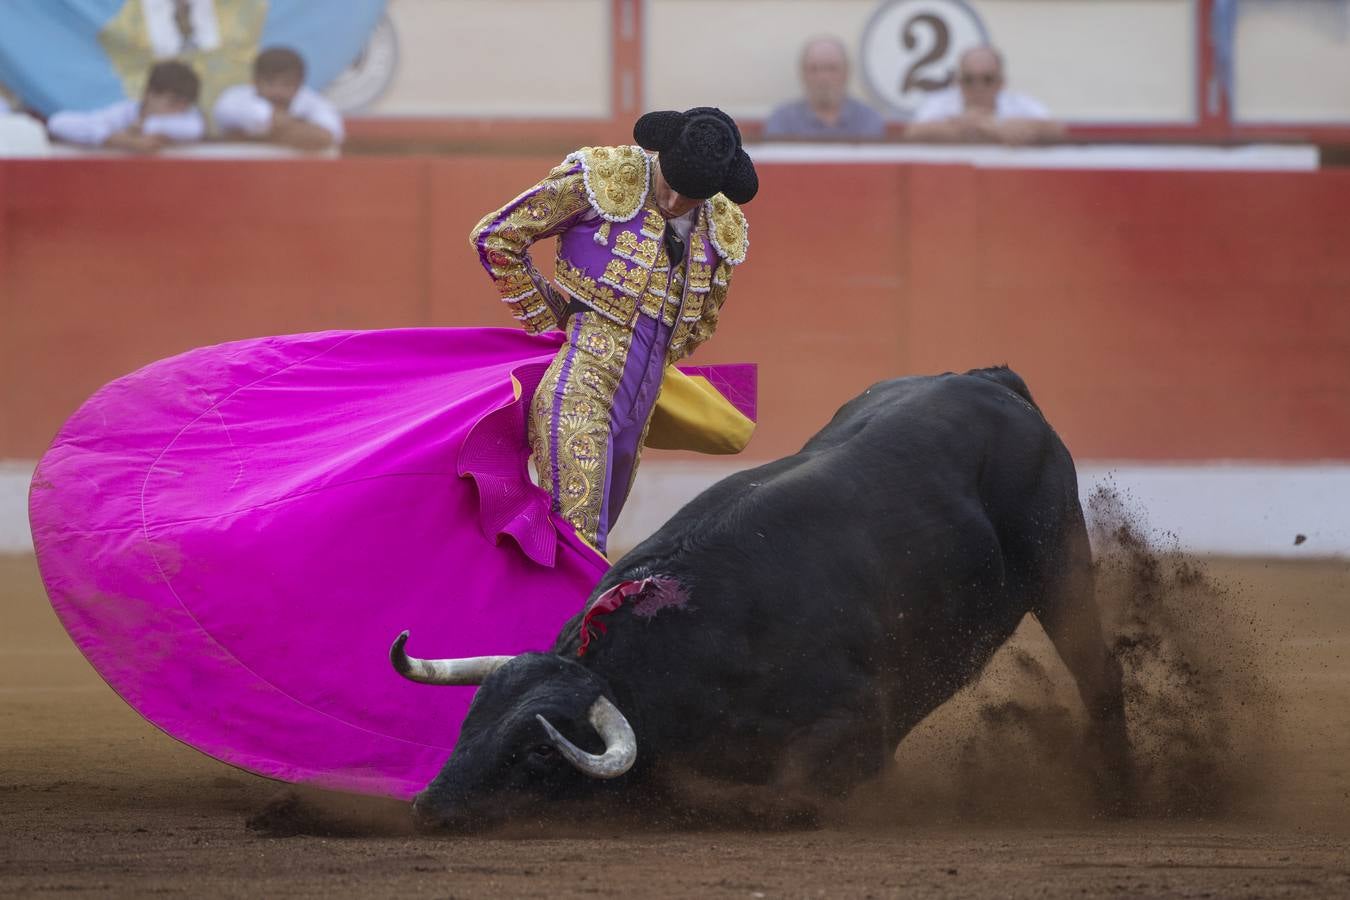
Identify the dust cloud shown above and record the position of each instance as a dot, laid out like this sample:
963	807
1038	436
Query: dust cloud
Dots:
1201	707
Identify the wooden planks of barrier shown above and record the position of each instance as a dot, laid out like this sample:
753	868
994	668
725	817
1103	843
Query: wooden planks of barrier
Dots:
1156	315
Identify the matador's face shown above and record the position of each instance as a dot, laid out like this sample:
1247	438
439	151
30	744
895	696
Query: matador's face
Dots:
671	203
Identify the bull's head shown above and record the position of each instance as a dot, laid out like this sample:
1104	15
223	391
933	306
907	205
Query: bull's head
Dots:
514	755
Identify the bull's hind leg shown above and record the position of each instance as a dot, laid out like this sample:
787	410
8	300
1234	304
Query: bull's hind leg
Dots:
1067	611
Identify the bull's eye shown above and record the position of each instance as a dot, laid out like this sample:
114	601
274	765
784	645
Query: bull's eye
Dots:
542	756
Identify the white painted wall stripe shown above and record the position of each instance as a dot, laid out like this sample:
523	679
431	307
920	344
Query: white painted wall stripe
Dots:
1240	509
1250	158
1237	508
1217	507
15	476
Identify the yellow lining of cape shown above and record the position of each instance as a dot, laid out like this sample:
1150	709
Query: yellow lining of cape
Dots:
691	414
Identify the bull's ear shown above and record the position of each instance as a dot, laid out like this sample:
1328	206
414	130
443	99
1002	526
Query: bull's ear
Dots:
470	670
620	742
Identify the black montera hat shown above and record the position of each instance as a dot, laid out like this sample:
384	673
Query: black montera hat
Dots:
700	151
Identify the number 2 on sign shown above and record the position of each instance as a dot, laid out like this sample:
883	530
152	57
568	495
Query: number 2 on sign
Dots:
940	36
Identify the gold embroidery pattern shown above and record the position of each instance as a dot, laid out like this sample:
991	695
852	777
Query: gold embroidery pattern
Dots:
727	229
616	179
670	310
700	276
655	297
663	288
698	249
502	240
630	280
644	253
599	297
653	225
637	283
512	284
615	274
689	335
693	307
583	426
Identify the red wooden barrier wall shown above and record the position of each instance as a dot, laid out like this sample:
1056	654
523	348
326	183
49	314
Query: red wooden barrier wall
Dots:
1156	315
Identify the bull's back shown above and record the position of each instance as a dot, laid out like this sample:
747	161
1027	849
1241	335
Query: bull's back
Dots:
914	445
902	470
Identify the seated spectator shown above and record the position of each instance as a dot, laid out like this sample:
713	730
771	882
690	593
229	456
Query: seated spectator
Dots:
166	114
826	111
277	106
980	110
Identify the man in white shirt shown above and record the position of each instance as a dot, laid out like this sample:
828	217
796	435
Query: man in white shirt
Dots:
278	107
166	114
979	109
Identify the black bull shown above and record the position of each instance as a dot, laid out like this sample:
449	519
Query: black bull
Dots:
801	617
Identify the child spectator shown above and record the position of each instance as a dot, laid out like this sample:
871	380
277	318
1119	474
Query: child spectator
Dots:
278	107
167	113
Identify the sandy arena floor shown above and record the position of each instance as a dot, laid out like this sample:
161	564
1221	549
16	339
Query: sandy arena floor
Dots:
1245	794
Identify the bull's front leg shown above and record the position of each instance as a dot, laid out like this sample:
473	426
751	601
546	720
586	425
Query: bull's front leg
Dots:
817	764
832	755
1073	625
693	800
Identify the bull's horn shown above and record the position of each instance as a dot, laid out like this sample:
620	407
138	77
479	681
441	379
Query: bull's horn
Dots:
620	742
471	670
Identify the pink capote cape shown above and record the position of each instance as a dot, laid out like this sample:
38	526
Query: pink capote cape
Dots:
234	537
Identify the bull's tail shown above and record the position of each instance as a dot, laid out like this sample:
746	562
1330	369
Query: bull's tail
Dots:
1007	378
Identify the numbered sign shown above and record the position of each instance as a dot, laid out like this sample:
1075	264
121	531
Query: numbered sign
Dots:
910	49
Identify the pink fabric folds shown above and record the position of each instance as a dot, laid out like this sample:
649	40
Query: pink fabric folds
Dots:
234	536
738	382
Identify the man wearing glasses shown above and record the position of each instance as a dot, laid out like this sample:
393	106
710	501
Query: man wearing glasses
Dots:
980	110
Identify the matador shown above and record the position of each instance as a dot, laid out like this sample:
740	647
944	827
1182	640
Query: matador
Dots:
648	238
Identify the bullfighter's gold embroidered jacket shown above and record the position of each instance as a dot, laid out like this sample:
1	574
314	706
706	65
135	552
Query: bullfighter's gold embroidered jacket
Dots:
611	255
